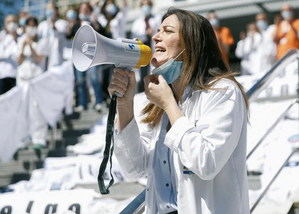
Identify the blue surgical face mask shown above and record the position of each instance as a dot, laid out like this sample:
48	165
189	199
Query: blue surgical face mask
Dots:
22	21
286	14
11	27
111	9
83	17
71	15
262	25
147	10
49	13
170	70
214	22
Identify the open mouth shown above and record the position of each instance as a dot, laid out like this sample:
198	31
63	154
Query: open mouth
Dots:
160	50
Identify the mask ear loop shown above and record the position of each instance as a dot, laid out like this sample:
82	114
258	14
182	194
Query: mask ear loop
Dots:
179	54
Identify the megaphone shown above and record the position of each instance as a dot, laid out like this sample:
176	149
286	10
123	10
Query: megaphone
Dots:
91	48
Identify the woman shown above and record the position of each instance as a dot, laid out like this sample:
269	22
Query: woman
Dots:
31	62
190	139
51	34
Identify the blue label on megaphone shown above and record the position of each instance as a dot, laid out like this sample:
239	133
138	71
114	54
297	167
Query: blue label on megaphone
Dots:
130	47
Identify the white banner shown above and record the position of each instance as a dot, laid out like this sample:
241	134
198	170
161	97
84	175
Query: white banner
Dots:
48	202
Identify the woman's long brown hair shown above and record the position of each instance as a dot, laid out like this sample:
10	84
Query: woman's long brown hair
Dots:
203	62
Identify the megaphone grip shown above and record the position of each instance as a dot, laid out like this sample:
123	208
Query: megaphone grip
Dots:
108	151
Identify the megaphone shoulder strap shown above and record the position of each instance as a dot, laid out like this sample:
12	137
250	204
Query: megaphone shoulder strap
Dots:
108	151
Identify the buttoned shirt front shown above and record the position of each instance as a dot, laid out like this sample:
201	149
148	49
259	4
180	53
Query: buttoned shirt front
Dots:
164	184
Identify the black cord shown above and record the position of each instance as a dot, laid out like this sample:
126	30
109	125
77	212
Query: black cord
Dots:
108	148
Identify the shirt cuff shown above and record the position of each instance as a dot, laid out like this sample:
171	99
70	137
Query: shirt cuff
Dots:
176	133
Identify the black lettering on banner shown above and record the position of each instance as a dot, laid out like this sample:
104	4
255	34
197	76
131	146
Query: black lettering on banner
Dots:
29	207
51	209
75	208
6	210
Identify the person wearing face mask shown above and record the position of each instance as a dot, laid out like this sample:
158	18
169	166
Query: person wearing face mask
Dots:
73	23
266	50
23	15
113	18
87	17
187	132
31	64
51	32
8	54
247	50
143	28
224	36
287	32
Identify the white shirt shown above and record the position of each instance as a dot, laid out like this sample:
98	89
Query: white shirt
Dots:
210	141
8	57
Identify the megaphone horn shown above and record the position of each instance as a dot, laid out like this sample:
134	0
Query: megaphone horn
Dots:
91	48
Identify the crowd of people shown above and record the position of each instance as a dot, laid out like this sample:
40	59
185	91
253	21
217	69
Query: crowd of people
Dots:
29	47
262	43
189	134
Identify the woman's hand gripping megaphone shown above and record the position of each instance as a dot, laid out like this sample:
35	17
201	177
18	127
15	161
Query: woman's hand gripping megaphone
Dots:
122	84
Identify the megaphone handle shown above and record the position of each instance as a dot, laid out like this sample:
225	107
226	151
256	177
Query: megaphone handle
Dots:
108	148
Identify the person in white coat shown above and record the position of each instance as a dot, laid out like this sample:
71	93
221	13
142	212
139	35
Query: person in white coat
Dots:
248	50
113	18
267	48
189	137
52	37
8	54
31	62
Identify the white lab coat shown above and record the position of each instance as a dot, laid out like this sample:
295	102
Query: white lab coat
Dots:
266	51
27	109
53	91
247	50
13	122
117	25
210	140
28	69
8	57
138	27
52	42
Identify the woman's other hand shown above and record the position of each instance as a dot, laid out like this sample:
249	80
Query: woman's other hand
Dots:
158	91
